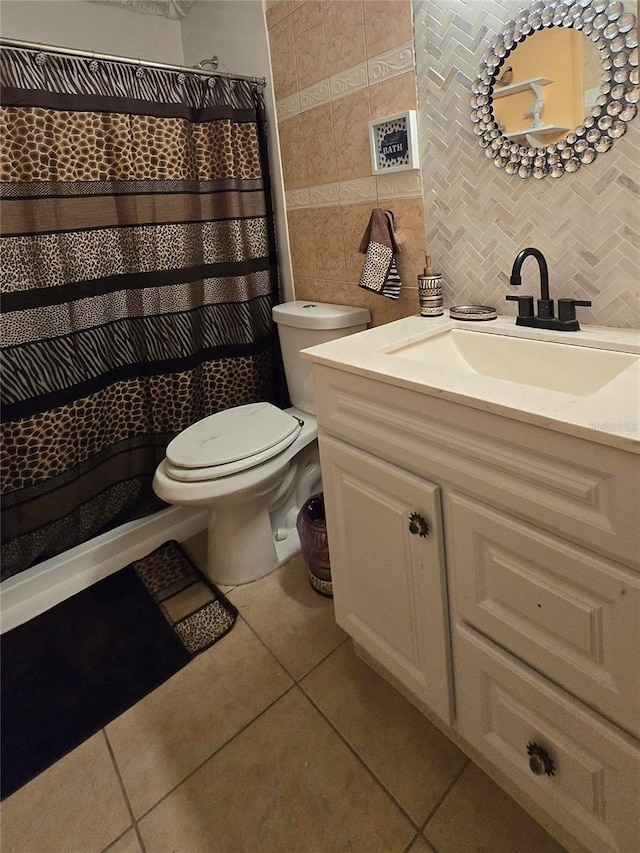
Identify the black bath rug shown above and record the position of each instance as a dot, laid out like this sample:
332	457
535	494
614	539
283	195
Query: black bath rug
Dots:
73	669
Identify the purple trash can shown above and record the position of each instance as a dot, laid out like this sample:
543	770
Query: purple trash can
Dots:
312	530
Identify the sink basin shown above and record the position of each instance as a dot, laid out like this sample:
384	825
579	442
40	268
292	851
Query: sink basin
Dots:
576	370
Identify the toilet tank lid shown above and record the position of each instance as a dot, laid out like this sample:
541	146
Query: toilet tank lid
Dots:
304	314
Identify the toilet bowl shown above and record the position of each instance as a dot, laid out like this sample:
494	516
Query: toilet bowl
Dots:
254	466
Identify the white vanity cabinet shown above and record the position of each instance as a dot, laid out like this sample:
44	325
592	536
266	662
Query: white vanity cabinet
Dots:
532	622
388	568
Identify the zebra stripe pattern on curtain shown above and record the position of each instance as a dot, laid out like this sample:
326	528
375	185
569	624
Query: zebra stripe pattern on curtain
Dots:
138	277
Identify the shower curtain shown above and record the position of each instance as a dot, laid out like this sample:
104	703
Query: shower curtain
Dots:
138	277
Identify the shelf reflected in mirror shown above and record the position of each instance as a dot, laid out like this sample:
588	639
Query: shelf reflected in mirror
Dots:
557	87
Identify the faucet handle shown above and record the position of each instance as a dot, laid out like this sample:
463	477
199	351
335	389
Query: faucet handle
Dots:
525	305
567	308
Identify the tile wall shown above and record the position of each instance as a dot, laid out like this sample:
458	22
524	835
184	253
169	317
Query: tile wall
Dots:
587	224
336	65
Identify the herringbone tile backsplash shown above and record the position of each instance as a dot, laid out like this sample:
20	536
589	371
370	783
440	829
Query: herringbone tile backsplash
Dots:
477	217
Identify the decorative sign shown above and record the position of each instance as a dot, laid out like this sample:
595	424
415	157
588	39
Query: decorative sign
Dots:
394	143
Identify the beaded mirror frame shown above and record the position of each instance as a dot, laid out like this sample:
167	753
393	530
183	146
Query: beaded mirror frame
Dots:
614	33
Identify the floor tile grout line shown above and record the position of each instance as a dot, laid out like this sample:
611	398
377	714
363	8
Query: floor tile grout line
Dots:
320	662
295	683
444	796
217	750
380	784
411	843
274	655
134	821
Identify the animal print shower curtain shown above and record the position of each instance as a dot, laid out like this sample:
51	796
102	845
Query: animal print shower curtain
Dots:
138	277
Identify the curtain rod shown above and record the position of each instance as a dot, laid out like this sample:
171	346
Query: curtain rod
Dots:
145	63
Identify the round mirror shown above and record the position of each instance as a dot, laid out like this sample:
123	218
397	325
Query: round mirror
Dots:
557	87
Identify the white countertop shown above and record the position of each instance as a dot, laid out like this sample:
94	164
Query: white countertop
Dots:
610	416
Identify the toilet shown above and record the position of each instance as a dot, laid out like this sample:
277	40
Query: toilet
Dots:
254	466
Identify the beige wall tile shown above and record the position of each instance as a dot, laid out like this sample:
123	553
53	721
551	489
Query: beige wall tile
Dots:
283	66
344	28
77	804
286	783
310	43
326	195
414	761
309	290
330	258
319	145
333	291
321	290
163	738
409	218
302	242
406	306
408	223
294	163
477	815
298	199
355	218
387	24
351	134
394	96
276	12
358	190
377	305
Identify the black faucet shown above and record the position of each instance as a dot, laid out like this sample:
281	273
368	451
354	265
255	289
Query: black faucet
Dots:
545	319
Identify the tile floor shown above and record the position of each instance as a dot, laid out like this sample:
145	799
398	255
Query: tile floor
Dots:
278	739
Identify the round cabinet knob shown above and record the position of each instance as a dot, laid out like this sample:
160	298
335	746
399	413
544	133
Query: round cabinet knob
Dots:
540	761
418	525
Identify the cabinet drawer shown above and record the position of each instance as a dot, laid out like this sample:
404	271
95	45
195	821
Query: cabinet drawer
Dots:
503	707
568	613
578	489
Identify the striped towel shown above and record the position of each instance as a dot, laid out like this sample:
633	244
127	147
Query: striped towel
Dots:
379	273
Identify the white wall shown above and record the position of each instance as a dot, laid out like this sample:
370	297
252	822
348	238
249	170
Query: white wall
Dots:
92	26
236	32
230	29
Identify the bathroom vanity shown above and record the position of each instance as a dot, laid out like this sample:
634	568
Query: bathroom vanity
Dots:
483	516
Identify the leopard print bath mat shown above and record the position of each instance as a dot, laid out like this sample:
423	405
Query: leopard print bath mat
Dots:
73	669
196	610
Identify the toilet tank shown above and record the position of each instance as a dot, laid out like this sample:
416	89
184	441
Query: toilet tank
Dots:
303	324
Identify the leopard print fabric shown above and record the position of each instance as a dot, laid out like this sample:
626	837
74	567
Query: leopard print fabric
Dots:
166	573
54	441
46	145
20	327
202	628
48	260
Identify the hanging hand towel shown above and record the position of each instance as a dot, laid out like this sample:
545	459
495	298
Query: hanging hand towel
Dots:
379	273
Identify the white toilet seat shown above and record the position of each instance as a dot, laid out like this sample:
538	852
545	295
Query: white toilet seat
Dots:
229	442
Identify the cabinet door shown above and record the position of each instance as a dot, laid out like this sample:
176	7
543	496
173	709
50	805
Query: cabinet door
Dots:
388	579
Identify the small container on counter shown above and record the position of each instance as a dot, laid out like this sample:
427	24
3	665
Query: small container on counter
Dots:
430	292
